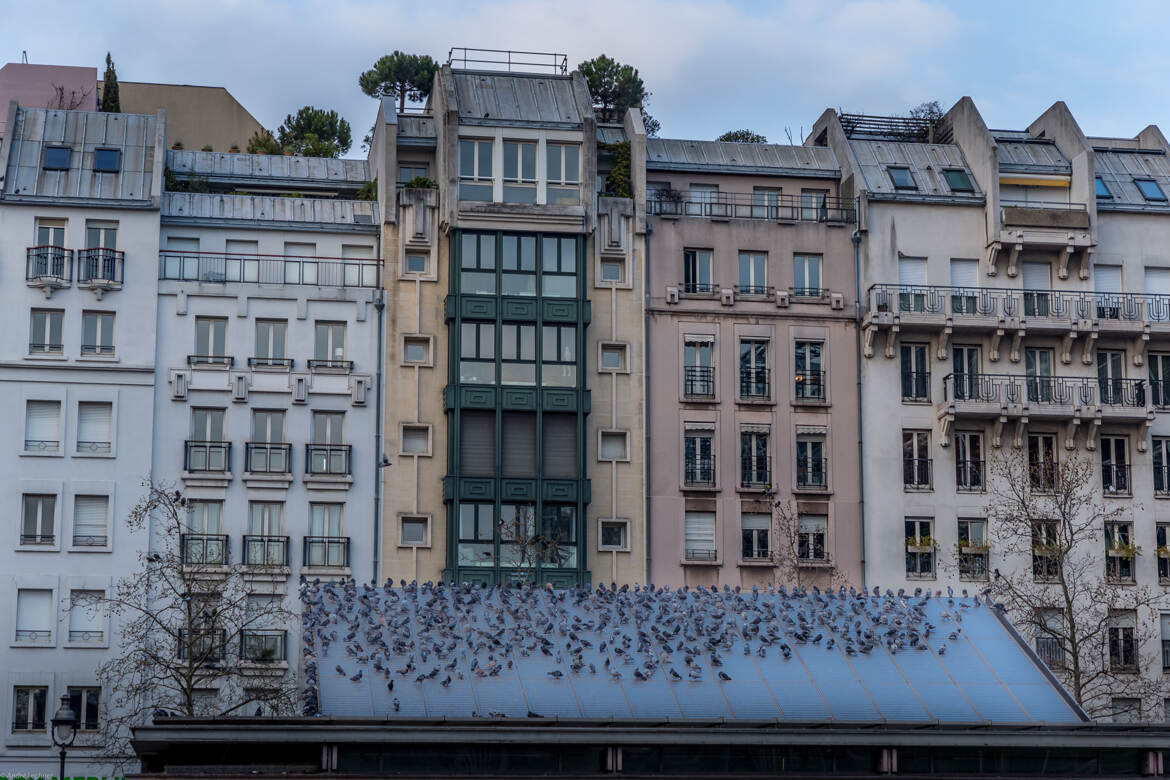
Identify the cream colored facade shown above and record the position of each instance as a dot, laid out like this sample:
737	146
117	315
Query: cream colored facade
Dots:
196	116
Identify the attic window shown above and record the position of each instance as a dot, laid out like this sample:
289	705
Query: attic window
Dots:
902	178
107	160
1150	190
1103	189
56	158
958	180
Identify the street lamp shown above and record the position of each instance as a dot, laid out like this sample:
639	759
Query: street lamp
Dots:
65	723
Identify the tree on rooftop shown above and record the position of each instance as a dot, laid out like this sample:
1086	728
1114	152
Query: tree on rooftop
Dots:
744	136
617	88
264	142
111	101
400	75
929	110
315	132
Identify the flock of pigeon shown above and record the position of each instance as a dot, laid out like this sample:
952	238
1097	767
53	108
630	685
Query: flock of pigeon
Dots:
413	635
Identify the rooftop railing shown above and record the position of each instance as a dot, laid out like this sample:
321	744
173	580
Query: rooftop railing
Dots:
269	269
959	302
507	60
747	205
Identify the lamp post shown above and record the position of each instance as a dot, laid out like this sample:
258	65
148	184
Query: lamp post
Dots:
65	723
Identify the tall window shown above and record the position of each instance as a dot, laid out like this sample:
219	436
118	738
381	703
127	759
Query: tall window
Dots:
559	445
697	272
919	548
518	263
1162	540
94	427
1160	378
808	370
755	464
753	368
755	531
1119	552
698	459
698	373
327	427
753	273
969	473
1049	633
97	333
477	443
42	426
812	205
811	531
476	535
518	456
39	519
765	203
1047	555
88	616
806	276
558	258
326	546
1122	641
210	340
558	358
558	532
204	542
477	352
271	337
207	424
916	460
28	708
85	701
1115	465
477	275
973	549
1038	371
329	342
90	518
517	354
811	464
519	172
699	532
475	169
915	372
965	383
1161	457
564	174
44	336
35	615
411	171
1042	461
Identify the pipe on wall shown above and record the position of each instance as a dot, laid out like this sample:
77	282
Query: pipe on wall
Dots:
380	307
860	408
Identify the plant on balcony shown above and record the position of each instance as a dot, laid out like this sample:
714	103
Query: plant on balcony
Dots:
207	148
369	190
1122	550
264	142
177	145
617	181
193	183
920	543
420	183
1163	551
234	149
966	548
180	627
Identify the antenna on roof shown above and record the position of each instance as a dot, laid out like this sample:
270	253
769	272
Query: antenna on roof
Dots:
23	57
788	132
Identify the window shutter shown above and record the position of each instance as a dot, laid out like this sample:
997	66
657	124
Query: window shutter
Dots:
93	422
700	530
812	524
34	610
964	273
756	522
560	446
519	445
1158	281
477	444
1037	276
89	515
1107	278
911	270
83	616
41	421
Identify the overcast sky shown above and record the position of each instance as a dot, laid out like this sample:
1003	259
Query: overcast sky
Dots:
712	65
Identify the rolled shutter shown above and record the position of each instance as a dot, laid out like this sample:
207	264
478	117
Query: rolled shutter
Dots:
42	421
700	530
1037	276
87	612
34	610
911	270
559	440
477	444
89	516
518	445
93	422
1107	278
964	273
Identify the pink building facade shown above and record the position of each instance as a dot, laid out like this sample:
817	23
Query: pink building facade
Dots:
47	86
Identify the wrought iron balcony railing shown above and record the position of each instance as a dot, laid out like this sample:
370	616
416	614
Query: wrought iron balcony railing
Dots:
812	473
212	549
755	472
268	458
201	644
269	269
100	266
969	475
702	555
699	381
1051	652
207	456
699	472
810	385
698	288
753	290
916	473
754	383
51	265
1115	479
1042	390
915	385
328	459
326	551
263	646
266	551
747	205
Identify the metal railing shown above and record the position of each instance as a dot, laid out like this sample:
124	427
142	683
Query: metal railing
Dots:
917	473
326	551
755	472
698	288
207	456
327	458
265	550
340	365
49	264
753	290
506	59
43	348
227	361
812	472
699	381
204	548
202	644
820	293
1162	480
270	362
754	383
916	386
700	555
41	445
33	635
100	265
266	646
1115	478
1051	652
1054	390
266	458
94	447
809	385
269	269
969	475
105	350
90	540
32	539
1160	392
699	472
86	636
748	205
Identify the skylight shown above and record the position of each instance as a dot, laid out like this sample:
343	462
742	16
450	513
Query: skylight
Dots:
56	158
1102	189
107	160
958	180
1150	190
902	178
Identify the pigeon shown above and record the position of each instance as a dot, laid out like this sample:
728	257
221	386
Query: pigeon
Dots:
390	686
724	676
340	670
556	673
259	711
396	705
357	677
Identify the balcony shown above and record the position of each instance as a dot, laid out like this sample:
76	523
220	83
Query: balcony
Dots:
701	555
970	476
326	551
1045	214
753	291
809	293
1162	481
207	456
201	644
328	459
812	473
271	363
204	549
100	269
1051	652
331	365
1115	479
32	540
83	637
917	473
267	458
699	382
755	473
699	472
809	385
48	267
263	646
1046	397
754	384
698	288
774	207
211	361
221	267
266	551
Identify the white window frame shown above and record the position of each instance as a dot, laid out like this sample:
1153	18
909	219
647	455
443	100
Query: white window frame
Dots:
602	522
403	519
609	434
415	427
479	146
620	347
52	323
103	332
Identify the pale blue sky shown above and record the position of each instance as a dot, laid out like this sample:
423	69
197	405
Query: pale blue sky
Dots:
712	65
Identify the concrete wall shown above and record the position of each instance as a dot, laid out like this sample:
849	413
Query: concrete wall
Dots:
34	86
196	116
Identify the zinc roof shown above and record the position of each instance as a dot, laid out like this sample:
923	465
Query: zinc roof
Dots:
1021	153
516	98
666	154
294	169
1119	167
926	163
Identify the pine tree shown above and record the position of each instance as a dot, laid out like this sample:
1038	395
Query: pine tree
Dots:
110	99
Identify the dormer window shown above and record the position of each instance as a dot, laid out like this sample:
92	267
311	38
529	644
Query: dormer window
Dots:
1103	189
958	180
56	158
107	160
1150	190
902	178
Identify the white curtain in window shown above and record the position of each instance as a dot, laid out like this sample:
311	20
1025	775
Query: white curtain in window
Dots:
41	421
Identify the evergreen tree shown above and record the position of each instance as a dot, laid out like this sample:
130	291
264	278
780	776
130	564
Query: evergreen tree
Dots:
110	99
400	75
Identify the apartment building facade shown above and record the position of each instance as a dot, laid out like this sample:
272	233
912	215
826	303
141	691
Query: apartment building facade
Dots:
751	341
79	227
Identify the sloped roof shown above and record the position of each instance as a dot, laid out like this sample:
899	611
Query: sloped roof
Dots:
1021	153
470	651
665	154
516	99
292	170
925	161
1119	167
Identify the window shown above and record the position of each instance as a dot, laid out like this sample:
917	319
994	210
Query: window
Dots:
613	445
965	287
613	358
1115	465
517	354
806	276
477	443
411	172
477	352
558	363
518	262
911	281
765	203
564	176
94	427
416	349
1047	555
916	460
90	519
97	333
1162	538
477	263
329	344
901	177
38	519
613	271
558	278
1103	189
1111	384
264	519
416	263
210	340
476	535
28	707
416	440
973	549
1160	379
813	205
1037	283
698	373
969	461
1122	642
755	463
328	427
1164	625
697	272
414	532
1120	553
919	548
56	158
915	373
519	172
753	273
699	537
702	199
808	370
267	452
559	445
754	378
518	543
1049	632
87	617
42	426
957	180
326	547
1125	710
518	433
34	616
44	336
107	160
698	459
1042	462
204	543
558	536
810	537
756	535
271	338
475	169
1150	190
811	464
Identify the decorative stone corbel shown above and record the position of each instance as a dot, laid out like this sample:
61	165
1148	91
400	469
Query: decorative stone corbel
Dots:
1014	256
944	340
997	431
891	337
1021	427
993	353
1088	347
993	257
1017	340
1147	423
1083	272
1066	345
1062	261
1070	433
1140	343
867	334
946	420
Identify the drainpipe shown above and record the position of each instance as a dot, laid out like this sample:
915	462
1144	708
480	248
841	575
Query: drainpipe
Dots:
647	449
379	457
860	408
